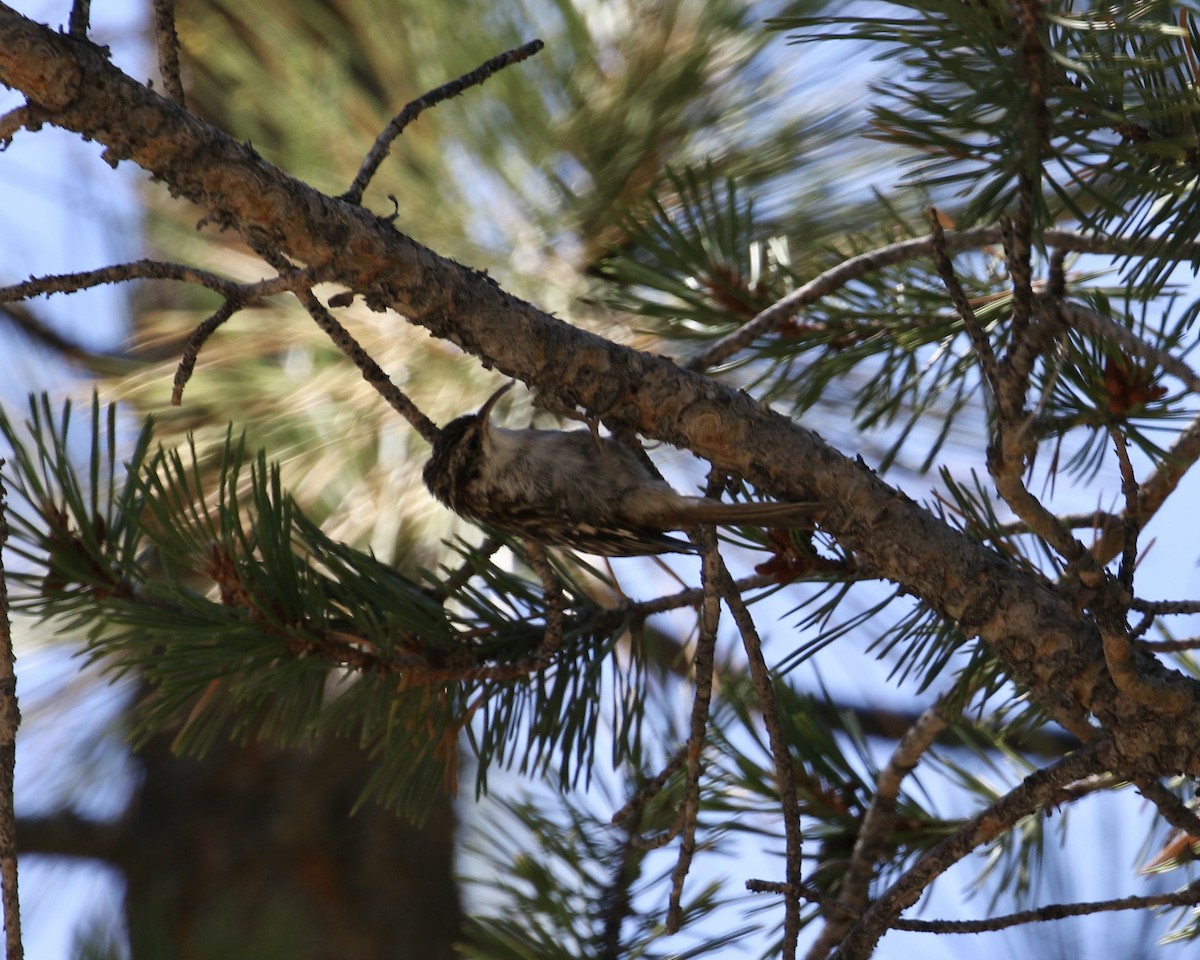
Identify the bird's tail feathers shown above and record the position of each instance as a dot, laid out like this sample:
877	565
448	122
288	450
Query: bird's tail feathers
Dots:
764	514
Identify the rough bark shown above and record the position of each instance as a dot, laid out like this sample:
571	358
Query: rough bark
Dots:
1037	630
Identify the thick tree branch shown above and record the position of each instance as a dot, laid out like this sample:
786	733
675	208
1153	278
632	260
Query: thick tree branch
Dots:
1046	643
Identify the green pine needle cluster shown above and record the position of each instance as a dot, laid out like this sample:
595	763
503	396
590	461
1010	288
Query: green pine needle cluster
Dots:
206	580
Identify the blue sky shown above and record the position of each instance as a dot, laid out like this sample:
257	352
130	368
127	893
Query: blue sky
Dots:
85	216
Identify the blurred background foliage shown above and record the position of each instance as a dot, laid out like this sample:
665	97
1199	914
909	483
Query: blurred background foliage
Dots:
659	173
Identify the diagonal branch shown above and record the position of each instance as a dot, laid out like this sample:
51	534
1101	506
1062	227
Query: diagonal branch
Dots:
785	773
702	665
917	248
876	828
1036	632
1186	897
383	143
167	41
1036	792
160	270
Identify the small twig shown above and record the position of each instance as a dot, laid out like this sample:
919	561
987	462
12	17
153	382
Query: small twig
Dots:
1018	234
785	774
702	666
167	41
1056	911
10	720
1018	257
26	116
832	280
552	596
1133	671
1006	468
371	371
1088	320
1170	646
199	336
651	788
689	598
81	14
876	828
1138	631
1095	520
466	570
1154	491
1177	813
617	900
945	269
1165	606
383	143
1130	524
159	270
34	327
195	343
1034	793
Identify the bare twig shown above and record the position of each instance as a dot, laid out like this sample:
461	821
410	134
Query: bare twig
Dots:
242	294
1171	646
1035	793
1130	521
10	720
1152	494
34	327
689	598
785	774
81	13
371	371
1177	813
167	42
702	667
876	828
1165	606
1006	468
1055	911
552	595
27	116
383	143
1100	520
782	310
1130	666
945	269
195	342
651	788
1018	234
159	270
1105	328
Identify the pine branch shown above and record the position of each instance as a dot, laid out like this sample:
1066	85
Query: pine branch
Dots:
1035	793
10	720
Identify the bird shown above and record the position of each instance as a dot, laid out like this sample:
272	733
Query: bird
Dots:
576	489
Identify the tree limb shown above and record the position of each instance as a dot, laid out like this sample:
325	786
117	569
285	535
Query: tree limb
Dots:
1037	633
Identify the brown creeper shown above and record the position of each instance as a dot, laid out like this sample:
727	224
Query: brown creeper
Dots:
573	488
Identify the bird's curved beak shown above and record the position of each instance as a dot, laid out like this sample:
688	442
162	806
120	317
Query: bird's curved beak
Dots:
486	410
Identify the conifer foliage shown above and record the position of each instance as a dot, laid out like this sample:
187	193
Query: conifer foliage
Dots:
986	303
